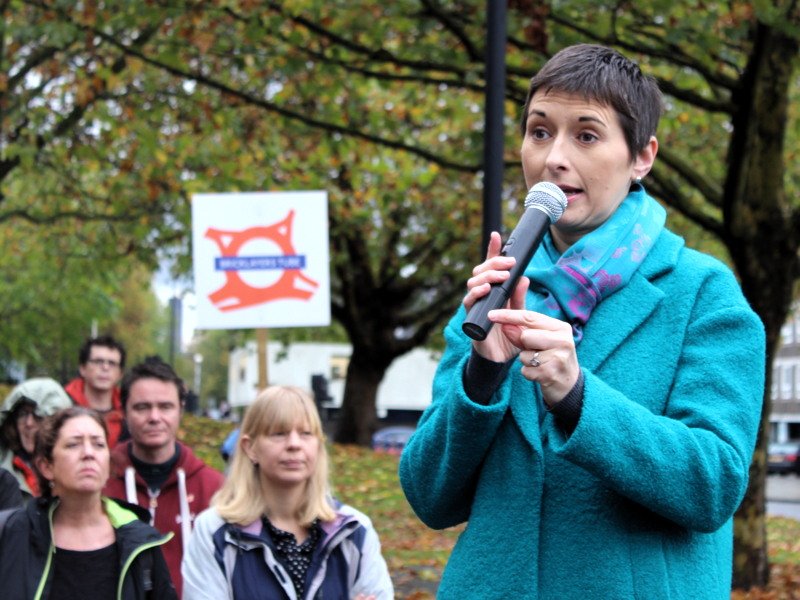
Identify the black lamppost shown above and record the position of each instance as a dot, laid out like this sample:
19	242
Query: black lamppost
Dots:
494	132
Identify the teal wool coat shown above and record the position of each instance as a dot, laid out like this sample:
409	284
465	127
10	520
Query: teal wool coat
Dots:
638	502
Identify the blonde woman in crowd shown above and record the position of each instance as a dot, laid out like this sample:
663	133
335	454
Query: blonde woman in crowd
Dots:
273	530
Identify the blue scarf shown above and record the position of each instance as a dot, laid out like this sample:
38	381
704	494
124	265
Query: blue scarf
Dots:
569	286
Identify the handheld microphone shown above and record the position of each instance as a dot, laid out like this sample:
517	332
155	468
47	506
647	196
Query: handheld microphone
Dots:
544	204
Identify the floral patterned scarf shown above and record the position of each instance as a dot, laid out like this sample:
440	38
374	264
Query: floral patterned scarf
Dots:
569	286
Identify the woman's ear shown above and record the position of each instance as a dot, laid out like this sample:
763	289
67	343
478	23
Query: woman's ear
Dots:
645	158
45	467
246	443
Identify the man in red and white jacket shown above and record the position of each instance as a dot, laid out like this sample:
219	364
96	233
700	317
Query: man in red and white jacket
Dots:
154	469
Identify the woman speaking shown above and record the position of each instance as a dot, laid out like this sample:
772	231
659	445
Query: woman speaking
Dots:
598	440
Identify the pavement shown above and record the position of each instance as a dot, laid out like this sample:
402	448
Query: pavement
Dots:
783	488
783	496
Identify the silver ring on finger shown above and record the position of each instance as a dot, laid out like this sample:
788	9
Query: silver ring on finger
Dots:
534	361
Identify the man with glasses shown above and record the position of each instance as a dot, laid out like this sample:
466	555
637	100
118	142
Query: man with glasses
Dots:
101	361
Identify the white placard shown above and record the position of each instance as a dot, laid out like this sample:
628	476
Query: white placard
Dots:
261	259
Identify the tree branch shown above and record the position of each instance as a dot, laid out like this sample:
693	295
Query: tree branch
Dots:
672	53
450	25
289	114
709	189
663	186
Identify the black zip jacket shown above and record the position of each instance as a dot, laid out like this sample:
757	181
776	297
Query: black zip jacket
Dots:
26	553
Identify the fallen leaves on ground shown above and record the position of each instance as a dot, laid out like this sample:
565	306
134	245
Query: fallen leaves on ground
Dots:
205	436
783	543
416	555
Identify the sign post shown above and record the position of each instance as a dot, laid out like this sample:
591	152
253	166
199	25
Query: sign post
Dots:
262	337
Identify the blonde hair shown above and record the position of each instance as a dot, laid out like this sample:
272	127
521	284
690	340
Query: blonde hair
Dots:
241	500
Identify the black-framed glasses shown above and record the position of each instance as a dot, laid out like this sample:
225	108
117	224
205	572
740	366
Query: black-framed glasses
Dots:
103	362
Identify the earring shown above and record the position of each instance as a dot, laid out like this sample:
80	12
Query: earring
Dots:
638	180
52	484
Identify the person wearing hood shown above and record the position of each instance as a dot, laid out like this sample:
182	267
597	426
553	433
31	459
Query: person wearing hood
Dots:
101	362
20	420
153	469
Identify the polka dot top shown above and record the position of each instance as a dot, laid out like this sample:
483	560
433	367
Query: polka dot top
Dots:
295	559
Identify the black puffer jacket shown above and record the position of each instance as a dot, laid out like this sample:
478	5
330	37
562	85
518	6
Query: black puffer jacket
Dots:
26	550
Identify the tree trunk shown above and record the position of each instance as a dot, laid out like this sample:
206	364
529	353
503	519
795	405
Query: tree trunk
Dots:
358	417
750	560
764	249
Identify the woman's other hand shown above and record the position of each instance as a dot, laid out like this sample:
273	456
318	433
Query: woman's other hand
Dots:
548	349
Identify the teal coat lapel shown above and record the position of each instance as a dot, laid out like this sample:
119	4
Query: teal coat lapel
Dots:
631	306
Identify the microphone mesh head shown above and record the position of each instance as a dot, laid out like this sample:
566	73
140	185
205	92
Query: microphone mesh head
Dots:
548	198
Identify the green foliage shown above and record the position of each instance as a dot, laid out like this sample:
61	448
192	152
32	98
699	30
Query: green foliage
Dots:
214	346
55	292
141	321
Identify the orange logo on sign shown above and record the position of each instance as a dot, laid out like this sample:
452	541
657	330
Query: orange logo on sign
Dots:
236	293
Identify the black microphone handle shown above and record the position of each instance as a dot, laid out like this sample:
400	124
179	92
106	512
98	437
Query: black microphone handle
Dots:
522	245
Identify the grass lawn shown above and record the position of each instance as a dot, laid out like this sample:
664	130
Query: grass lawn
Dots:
416	555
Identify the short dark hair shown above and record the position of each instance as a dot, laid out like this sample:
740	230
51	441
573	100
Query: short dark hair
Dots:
152	367
47	436
602	74
106	341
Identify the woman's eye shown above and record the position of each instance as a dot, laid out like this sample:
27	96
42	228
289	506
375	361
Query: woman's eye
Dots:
587	137
539	134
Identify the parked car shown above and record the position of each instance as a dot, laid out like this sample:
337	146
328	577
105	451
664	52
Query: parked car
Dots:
229	445
391	440
783	458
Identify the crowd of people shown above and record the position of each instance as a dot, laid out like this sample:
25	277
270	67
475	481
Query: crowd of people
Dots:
99	499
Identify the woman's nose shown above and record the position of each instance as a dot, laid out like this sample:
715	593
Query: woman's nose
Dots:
557	157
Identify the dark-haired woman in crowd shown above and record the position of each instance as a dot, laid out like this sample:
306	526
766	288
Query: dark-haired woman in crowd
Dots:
72	542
